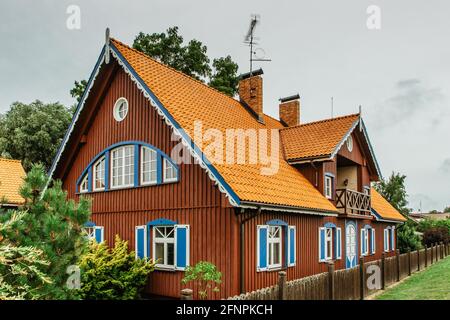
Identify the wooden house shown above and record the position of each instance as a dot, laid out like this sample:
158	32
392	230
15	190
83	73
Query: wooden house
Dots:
123	150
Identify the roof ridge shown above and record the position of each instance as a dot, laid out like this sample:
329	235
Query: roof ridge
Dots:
173	69
322	121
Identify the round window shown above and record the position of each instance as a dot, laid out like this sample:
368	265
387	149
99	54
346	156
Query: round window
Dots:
120	109
350	143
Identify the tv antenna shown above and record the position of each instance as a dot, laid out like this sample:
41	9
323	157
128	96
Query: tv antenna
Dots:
257	54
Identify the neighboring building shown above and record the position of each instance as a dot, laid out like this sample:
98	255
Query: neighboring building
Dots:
418	216
11	179
317	207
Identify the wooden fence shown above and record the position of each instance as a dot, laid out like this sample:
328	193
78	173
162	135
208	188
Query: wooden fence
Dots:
351	284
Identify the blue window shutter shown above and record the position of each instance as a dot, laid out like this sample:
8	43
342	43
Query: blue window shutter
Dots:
373	241
181	246
321	244
261	248
338	243
292	246
140	241
98	234
159	168
392	238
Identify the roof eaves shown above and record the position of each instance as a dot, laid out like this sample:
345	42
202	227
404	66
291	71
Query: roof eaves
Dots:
349	132
269	207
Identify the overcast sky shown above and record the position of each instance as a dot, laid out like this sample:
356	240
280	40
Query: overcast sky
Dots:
399	73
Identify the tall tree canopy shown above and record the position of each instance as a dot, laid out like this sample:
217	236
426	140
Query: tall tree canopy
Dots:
394	191
33	132
191	58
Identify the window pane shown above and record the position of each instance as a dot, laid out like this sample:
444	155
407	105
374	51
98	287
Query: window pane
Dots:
159	252
170	254
276	252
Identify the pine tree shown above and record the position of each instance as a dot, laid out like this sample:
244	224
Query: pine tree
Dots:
52	225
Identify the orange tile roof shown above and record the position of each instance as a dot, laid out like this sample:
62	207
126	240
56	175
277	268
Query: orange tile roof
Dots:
384	208
11	178
188	100
316	139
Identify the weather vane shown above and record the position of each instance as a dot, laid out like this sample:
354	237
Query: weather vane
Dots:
256	54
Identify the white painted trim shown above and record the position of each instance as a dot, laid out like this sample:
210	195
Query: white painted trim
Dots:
82	182
141	167
94	174
165	242
116	111
339	241
163	168
278	240
111	176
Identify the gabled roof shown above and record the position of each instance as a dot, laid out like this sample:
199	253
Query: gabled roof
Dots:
319	139
187	100
383	209
11	179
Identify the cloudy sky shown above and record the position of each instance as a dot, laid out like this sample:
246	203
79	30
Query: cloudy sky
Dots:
399	73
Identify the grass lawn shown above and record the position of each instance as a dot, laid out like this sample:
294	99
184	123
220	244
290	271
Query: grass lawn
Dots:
430	284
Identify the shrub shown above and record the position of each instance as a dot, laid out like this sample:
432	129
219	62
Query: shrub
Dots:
206	275
435	235
113	273
407	237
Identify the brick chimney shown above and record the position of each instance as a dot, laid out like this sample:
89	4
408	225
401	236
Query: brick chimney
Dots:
251	92
289	110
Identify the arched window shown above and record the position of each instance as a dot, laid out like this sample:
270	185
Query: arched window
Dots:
126	165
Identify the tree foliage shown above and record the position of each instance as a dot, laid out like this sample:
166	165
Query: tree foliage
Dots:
408	237
113	273
205	275
394	191
78	89
225	78
18	262
435	235
53	226
33	132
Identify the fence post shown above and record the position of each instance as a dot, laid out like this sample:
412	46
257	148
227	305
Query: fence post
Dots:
409	261
431	255
361	277
442	251
282	285
383	270
331	280
397	260
418	259
186	294
426	256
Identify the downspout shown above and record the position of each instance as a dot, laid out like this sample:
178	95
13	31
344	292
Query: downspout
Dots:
242	247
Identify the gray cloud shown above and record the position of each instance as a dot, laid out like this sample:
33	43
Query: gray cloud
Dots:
411	97
445	166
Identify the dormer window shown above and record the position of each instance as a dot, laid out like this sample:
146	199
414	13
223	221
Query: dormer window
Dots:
120	109
123	167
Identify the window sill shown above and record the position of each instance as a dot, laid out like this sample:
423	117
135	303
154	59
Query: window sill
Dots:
127	188
167	269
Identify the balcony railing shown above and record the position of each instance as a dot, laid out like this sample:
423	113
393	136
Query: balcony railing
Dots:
352	202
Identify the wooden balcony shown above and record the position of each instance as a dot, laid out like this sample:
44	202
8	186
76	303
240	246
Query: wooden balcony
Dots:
352	202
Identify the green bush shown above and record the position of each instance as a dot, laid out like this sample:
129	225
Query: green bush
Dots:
113	273
407	237
206	275
435	235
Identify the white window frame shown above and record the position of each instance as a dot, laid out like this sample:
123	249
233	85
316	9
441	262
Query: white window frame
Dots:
116	112
387	245
364	237
373	242
122	185
328	179
94	174
328	238
164	167
164	241
155	153
271	241
90	232
84	185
